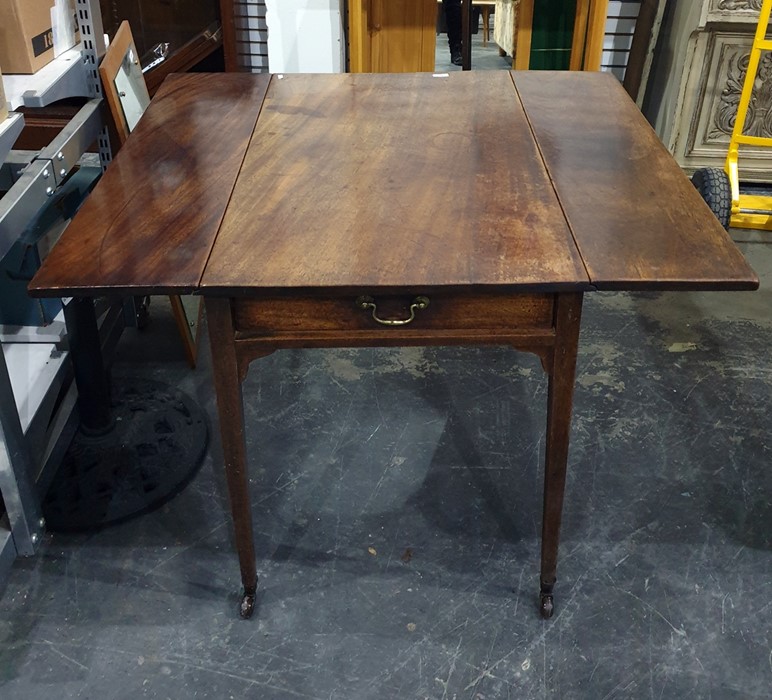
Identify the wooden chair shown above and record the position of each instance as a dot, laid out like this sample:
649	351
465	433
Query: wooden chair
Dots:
485	12
127	99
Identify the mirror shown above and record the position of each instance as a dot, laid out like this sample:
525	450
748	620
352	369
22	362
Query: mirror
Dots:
123	83
130	86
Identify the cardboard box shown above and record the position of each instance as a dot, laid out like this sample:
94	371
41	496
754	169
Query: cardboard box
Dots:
26	35
3	104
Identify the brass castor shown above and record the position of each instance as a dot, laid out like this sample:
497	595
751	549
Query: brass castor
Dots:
547	606
247	606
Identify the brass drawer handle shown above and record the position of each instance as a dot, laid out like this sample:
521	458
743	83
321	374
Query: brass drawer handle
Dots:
419	303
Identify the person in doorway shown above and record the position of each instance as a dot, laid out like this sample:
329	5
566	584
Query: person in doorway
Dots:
453	22
452	9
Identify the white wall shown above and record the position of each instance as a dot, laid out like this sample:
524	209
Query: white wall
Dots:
305	36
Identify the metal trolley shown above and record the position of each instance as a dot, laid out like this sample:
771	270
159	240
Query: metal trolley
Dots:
721	188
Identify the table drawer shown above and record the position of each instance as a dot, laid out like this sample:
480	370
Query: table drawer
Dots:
354	312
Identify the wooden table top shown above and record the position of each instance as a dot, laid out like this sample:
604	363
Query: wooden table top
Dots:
232	184
634	215
405	180
150	223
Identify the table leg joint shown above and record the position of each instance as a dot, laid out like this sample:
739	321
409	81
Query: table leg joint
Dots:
245	357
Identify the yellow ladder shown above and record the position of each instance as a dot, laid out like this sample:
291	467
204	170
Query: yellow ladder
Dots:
749	211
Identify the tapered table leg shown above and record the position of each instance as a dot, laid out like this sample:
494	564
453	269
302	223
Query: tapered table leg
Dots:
230	409
568	313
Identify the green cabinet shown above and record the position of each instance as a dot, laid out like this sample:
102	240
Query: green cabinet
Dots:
552	34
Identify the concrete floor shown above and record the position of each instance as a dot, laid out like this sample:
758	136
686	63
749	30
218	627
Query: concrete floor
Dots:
397	502
483	57
397	506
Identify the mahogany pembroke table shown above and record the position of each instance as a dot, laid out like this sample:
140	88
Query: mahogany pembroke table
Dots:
349	211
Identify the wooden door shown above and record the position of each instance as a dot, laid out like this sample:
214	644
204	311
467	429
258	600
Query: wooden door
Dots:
391	36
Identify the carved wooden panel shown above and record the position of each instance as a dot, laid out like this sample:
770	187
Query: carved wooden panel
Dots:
694	91
710	106
732	11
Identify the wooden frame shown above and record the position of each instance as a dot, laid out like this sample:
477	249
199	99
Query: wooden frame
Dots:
580	34
122	43
187	56
587	43
228	24
647	28
596	31
122	47
390	36
523	31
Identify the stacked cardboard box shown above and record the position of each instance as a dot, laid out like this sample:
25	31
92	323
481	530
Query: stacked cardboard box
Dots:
3	105
27	34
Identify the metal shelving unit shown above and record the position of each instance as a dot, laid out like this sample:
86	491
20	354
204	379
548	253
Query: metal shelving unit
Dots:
37	395
9	131
63	77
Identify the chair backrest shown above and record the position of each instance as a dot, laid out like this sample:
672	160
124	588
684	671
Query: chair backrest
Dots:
123	82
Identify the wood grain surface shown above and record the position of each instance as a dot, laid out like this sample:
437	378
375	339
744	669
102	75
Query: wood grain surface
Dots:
150	223
386	182
393	180
462	310
637	220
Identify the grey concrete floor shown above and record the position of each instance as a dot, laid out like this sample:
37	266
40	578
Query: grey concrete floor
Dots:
397	505
484	57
